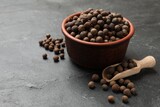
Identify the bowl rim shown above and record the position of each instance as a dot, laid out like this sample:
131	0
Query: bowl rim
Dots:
132	30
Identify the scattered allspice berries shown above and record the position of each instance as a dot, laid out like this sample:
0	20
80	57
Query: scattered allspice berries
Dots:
55	45
123	86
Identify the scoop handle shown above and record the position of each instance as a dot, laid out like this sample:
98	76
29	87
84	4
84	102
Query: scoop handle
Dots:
147	62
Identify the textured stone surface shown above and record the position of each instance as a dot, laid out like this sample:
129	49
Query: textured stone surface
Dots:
26	80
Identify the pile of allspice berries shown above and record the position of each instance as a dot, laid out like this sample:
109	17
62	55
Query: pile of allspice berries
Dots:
98	26
124	86
53	45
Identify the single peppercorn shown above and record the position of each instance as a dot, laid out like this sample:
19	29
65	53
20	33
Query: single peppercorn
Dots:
127	92
93	20
112	38
92	40
119	68
81	28
61	56
61	50
121	81
44	56
83	34
46	46
126	82
99	39
56	51
69	29
105	87
50	47
103	81
130	85
100	22
122	88
63	45
94	31
97	27
73	34
86	39
124	64
109	76
41	43
111	99
117	28
58	46
78	36
48	36
125	99
130	65
105	31
91	85
115	88
56	59
111	70
133	91
90	35
100	33
115	73
87	25
95	77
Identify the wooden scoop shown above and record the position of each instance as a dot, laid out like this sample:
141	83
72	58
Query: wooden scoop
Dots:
147	62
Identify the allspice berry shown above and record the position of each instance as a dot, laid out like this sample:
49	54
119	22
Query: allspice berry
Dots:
124	64
105	87
48	36
122	88
111	99
111	70
103	81
119	68
126	81
115	88
99	39
121	81
91	85
61	56
56	51
109	76
125	99
61	50
44	56
46	46
41	43
133	91
95	77
127	92
130	85
94	31
50	48
130	65
63	44
56	58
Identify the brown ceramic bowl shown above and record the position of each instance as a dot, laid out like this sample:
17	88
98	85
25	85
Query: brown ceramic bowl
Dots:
96	55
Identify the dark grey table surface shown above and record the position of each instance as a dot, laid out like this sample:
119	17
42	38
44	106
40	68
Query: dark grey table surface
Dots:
26	80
